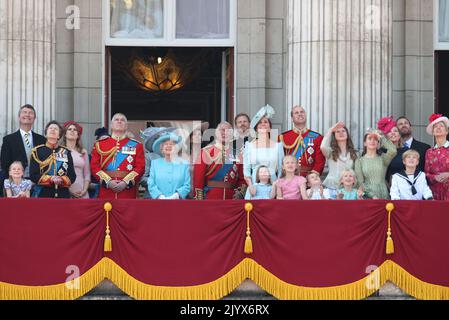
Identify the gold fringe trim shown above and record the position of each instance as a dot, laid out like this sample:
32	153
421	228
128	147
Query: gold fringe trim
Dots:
64	291
248	268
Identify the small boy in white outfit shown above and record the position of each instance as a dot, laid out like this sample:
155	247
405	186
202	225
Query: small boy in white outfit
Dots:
410	184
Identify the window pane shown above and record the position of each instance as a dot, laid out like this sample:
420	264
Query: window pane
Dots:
202	19
137	19
444	21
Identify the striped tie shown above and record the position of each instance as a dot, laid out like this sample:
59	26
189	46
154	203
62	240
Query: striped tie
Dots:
27	141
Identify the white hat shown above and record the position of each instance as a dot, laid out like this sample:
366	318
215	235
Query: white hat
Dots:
266	111
434	119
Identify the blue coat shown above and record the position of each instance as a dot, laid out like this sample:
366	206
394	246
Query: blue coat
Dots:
167	178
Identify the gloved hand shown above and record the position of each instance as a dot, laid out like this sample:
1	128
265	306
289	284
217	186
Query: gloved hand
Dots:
174	196
162	197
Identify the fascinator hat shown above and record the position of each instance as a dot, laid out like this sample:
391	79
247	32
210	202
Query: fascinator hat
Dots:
386	124
434	119
76	124
266	111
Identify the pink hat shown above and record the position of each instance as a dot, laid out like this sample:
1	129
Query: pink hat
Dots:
386	124
434	119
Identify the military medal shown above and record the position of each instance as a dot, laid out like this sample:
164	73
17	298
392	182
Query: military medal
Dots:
130	159
129	167
129	150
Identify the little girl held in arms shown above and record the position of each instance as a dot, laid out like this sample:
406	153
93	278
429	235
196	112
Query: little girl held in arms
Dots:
262	189
16	186
348	181
291	186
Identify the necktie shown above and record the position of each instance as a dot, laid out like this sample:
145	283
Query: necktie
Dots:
27	140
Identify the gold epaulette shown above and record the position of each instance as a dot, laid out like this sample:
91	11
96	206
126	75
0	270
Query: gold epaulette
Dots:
199	194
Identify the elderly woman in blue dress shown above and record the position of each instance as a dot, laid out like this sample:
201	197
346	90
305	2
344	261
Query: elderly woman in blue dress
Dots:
170	174
263	150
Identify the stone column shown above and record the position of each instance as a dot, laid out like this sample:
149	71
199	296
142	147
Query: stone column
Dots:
339	62
27	61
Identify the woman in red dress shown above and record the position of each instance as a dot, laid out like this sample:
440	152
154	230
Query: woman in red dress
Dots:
437	158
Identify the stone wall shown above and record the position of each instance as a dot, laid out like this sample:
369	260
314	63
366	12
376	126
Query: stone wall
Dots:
261	56
79	66
27	61
413	63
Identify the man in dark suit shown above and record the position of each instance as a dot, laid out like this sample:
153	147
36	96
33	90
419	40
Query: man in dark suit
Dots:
18	145
405	129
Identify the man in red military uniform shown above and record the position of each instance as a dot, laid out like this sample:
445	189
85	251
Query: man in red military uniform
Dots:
304	144
118	162
218	174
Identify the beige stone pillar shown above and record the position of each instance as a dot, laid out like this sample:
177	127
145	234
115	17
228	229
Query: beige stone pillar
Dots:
339	62
27	60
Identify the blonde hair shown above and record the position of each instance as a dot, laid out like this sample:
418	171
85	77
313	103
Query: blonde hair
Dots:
350	171
409	153
284	173
10	166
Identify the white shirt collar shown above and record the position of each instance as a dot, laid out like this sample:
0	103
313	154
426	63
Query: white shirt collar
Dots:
22	132
446	145
409	142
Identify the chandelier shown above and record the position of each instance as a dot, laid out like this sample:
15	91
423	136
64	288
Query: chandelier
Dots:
162	73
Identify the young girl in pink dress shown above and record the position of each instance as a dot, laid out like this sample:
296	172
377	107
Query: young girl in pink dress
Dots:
291	186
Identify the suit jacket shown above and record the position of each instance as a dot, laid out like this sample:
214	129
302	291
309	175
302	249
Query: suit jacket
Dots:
13	149
422	148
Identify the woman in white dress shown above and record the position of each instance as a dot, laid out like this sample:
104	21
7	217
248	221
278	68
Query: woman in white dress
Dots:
263	150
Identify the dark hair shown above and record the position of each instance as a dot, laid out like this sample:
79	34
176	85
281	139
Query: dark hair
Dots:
404	117
269	121
257	174
378	151
27	106
349	145
241	115
56	123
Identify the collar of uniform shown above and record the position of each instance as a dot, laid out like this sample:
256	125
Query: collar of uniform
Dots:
220	146
446	145
118	138
301	132
51	145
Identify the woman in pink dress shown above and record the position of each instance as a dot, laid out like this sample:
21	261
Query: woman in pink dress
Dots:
437	158
72	140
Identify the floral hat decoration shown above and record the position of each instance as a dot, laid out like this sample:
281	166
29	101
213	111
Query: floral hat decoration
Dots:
434	119
386	124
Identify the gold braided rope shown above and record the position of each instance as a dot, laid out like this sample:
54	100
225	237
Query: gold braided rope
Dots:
389	249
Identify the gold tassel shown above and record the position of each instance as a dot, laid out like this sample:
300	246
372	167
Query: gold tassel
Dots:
107	239
248	241
390	245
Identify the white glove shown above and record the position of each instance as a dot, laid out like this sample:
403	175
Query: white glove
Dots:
162	197
174	196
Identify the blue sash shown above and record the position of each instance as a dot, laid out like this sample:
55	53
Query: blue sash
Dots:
219	176
311	136
120	157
